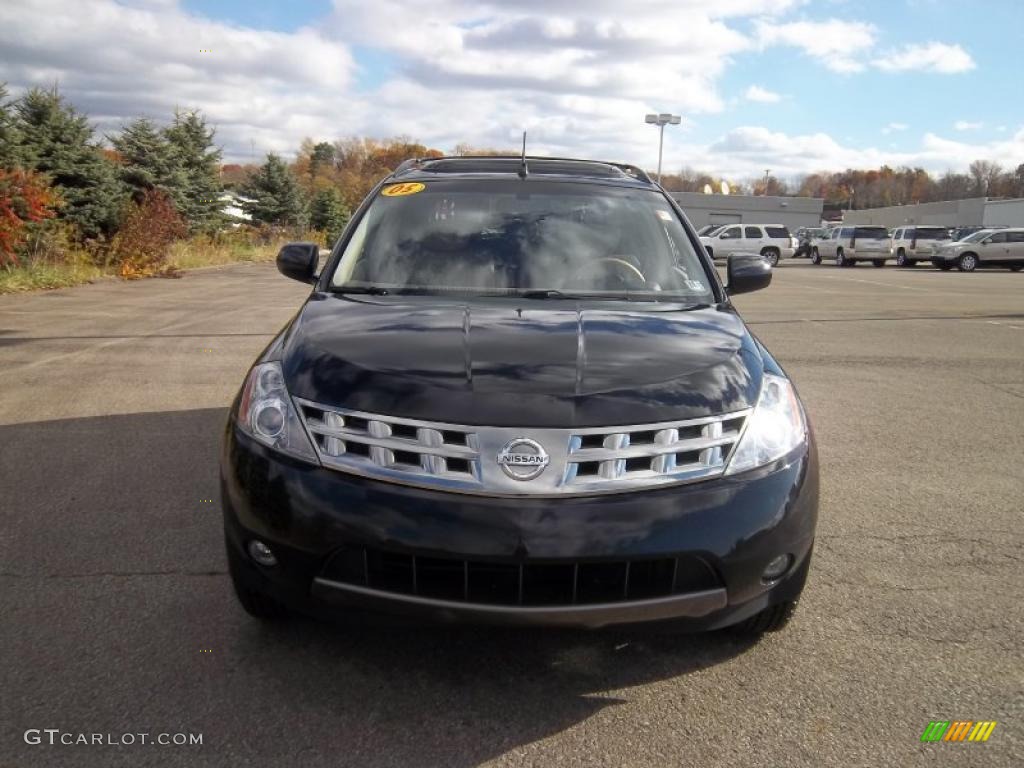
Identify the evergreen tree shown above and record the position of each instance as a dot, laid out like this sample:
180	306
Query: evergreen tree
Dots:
56	140
10	151
275	195
329	214
321	158
200	161
149	161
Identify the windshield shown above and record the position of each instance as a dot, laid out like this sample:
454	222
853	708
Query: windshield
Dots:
871	233
977	236
516	237
932	234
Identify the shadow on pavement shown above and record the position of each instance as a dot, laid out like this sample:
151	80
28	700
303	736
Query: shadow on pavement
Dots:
113	579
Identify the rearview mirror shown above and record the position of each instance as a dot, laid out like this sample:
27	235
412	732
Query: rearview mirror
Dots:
747	272
299	261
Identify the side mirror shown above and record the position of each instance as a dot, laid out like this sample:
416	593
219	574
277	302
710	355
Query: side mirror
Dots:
299	261
747	272
987	241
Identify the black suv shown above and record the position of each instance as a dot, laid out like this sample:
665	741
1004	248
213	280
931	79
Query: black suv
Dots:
519	393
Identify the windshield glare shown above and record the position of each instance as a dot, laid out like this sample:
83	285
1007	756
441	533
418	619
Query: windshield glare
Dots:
487	237
977	236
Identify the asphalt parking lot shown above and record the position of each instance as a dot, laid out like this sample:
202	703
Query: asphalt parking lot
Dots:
116	614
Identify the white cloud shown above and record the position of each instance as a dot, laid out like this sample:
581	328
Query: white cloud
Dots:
746	151
926	57
579	78
763	95
116	62
839	45
894	127
964	125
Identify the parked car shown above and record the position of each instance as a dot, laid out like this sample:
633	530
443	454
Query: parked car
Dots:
772	241
848	245
805	237
519	393
913	244
959	233
984	248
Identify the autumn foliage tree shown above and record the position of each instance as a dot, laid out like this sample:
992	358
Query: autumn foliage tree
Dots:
25	198
148	229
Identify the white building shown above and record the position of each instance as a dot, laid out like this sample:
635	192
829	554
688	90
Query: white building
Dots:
971	212
792	212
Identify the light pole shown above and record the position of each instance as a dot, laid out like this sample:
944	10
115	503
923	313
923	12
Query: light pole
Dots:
767	172
661	121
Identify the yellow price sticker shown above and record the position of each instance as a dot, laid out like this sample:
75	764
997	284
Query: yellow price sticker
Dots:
408	188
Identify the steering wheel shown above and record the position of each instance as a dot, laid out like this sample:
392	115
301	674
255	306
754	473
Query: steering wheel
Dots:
625	272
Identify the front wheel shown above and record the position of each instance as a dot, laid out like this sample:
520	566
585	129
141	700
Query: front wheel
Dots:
771	619
878	262
254	603
841	259
815	257
967	262
771	256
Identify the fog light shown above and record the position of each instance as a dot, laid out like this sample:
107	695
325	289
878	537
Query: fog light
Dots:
776	568
261	553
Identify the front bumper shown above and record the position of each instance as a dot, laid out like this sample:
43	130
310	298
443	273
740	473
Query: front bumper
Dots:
308	515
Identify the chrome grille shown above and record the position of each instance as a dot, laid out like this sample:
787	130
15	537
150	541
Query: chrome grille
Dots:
464	458
651	454
442	455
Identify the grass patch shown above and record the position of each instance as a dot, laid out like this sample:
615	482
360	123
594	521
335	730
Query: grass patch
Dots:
199	251
206	252
41	275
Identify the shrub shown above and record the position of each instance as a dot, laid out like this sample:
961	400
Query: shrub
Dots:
148	229
25	198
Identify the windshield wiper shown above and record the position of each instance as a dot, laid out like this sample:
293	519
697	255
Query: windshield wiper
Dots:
372	290
544	293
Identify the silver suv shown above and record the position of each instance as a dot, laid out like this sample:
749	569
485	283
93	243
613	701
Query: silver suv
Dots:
989	247
913	244
848	245
772	241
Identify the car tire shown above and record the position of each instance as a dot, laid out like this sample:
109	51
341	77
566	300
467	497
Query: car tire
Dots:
968	262
1016	267
815	257
841	260
254	603
771	619
878	262
771	255
901	258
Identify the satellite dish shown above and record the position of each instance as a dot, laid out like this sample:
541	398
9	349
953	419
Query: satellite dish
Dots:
725	188
707	189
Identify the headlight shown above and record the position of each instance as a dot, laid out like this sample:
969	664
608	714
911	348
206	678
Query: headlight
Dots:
776	426
266	413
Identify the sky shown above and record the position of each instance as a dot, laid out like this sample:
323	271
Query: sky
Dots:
790	86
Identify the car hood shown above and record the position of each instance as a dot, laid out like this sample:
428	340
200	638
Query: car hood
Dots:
526	363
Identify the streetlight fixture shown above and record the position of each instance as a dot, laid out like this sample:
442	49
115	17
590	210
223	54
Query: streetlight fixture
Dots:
661	121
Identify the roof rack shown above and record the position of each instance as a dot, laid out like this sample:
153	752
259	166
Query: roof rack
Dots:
405	165
626	169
